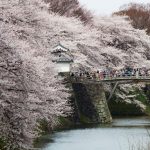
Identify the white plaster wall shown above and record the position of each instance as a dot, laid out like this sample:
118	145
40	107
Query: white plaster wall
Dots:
63	67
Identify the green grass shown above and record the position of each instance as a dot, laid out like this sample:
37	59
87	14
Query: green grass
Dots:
3	144
141	96
64	122
84	119
43	127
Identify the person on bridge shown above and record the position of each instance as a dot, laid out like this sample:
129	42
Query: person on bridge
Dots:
101	77
137	73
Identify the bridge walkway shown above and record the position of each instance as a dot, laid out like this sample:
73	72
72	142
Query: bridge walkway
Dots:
115	80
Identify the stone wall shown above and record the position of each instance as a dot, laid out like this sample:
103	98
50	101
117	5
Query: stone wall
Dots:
91	103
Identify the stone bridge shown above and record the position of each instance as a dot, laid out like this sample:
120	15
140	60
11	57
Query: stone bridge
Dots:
90	98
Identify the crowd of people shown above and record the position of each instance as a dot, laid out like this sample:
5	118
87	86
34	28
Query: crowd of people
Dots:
112	73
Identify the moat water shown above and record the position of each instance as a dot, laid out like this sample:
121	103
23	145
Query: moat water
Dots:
122	134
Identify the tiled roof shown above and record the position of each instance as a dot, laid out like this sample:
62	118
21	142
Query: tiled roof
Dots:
60	48
64	58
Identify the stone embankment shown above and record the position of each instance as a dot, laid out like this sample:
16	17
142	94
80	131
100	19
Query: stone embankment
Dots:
91	103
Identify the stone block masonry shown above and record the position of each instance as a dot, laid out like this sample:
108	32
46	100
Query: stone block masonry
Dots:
91	103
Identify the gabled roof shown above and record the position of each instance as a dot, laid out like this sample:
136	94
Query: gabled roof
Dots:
60	48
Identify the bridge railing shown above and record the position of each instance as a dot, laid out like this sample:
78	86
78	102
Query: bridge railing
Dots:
108	78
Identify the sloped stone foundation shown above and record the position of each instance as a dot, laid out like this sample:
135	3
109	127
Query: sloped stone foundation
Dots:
91	103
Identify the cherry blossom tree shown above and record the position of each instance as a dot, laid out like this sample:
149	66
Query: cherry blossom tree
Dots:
70	8
139	14
30	89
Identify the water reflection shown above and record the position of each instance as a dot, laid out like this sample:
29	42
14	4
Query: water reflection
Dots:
119	136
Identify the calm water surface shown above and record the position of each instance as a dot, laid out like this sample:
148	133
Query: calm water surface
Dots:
120	135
